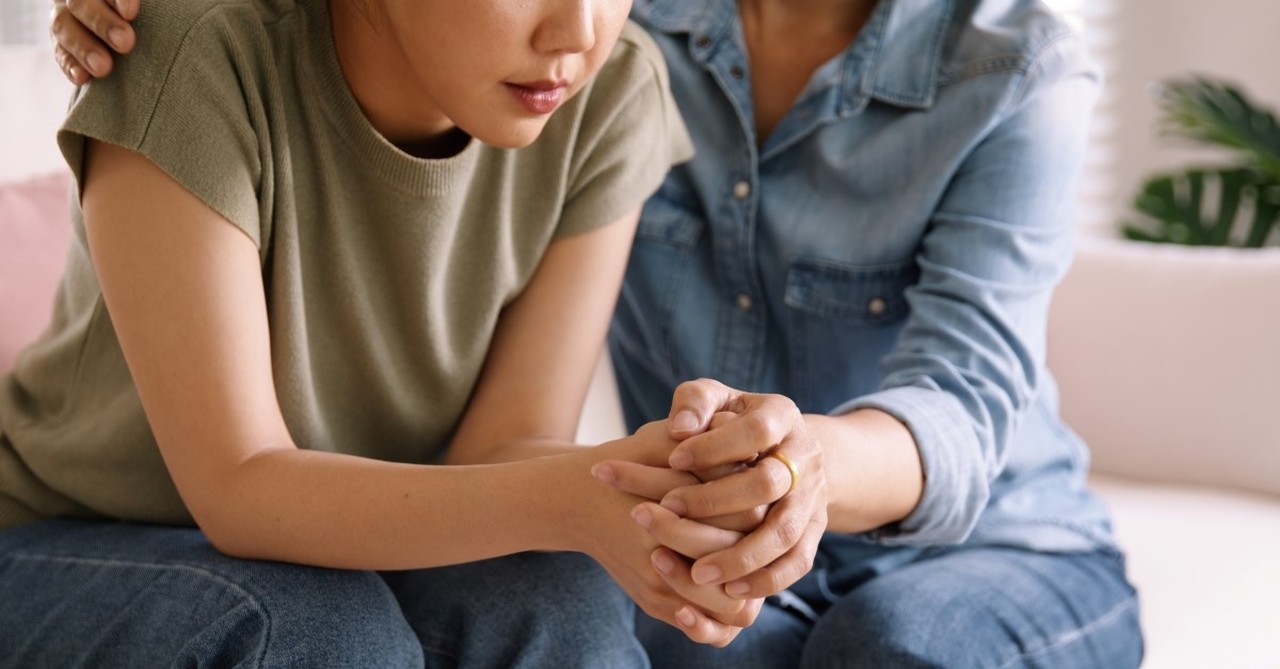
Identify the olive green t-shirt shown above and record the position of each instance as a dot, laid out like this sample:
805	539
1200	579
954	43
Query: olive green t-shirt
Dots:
384	273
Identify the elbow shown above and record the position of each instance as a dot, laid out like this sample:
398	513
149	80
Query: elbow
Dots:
224	532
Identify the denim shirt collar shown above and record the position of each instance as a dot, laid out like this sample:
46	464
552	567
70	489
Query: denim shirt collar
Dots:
904	38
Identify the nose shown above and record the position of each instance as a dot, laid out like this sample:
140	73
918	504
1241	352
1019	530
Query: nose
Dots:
568	27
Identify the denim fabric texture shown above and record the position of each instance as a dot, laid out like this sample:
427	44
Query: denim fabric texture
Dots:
105	594
892	244
957	608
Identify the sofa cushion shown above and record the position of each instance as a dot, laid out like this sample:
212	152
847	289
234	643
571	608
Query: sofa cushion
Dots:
34	232
1204	562
1168	361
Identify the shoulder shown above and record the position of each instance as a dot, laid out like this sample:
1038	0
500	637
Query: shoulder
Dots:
166	28
987	36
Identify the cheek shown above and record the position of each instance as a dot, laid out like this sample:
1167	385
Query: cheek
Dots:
609	26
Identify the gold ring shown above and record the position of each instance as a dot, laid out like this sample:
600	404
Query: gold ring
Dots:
791	467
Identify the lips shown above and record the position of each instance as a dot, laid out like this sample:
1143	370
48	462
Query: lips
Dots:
538	97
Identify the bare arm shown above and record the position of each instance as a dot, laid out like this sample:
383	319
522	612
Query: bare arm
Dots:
203	372
185	294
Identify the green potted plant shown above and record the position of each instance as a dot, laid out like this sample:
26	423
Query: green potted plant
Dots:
1236	204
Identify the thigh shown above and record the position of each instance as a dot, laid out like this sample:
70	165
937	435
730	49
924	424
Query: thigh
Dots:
107	594
525	610
985	607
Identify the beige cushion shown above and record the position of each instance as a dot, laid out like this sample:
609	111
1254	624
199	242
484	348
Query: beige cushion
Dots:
1206	564
1169	361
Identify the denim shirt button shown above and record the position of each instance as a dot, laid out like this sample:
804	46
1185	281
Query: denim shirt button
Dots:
744	302
742	190
876	306
736	72
702	42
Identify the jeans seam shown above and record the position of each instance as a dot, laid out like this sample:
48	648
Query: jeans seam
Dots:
1075	635
214	576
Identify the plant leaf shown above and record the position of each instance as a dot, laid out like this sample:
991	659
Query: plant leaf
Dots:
1173	206
1214	112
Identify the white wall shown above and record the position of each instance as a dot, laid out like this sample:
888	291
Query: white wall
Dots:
1145	41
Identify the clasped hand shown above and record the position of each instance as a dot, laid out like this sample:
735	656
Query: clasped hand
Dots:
730	524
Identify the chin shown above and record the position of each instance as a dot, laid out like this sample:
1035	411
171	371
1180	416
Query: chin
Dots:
513	136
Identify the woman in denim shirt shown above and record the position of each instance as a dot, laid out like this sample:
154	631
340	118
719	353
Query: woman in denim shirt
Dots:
862	255
858	266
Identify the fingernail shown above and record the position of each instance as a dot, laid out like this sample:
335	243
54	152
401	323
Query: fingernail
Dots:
76	74
642	517
680	459
706	573
684	421
116	37
94	63
737	588
675	505
604	473
685	617
662	562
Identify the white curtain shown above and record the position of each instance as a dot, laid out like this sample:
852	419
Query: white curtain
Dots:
23	21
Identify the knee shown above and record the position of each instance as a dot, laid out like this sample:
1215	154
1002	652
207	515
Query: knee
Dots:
528	609
940	617
873	630
282	615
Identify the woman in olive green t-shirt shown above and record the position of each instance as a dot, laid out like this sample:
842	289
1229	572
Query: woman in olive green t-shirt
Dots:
320	251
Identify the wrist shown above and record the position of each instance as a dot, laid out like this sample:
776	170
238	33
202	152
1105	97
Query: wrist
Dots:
572	499
873	468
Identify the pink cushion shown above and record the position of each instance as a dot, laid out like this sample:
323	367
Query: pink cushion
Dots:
34	231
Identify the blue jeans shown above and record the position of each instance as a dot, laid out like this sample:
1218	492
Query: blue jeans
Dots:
106	594
955	607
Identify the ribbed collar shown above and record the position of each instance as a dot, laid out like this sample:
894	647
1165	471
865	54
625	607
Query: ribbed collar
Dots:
328	86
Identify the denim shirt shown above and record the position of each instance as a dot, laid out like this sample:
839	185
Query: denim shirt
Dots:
893	244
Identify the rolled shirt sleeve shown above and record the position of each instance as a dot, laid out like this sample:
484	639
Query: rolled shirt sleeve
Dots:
970	357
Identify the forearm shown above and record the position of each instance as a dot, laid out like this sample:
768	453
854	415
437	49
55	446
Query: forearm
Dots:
513	451
340	511
874	474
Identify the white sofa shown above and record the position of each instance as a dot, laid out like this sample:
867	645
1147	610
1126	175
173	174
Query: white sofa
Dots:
1169	364
1187	450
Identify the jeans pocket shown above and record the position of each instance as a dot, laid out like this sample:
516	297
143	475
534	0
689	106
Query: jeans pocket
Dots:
842	320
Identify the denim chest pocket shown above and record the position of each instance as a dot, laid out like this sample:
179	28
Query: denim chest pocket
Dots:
857	295
842	320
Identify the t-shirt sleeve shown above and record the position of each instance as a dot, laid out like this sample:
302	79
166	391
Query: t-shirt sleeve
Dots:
182	100
631	135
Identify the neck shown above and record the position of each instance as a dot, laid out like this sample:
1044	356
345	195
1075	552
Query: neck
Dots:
384	86
786	41
843	17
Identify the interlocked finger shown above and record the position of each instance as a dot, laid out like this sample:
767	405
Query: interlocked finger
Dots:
766	482
783	572
782	529
711	599
642	480
689	538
